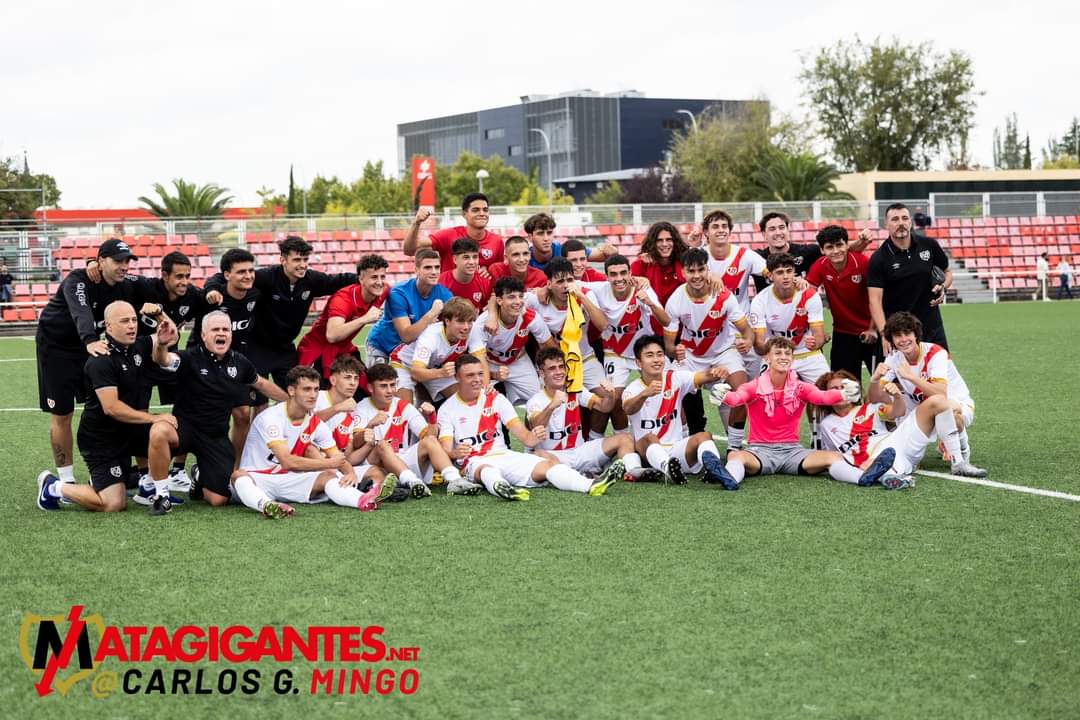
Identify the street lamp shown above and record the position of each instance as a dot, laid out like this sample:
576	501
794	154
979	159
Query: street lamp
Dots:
547	144
693	120
482	175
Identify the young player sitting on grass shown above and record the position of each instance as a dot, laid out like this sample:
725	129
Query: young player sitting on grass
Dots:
922	370
653	401
278	465
469	431
397	438
859	432
560	412
775	401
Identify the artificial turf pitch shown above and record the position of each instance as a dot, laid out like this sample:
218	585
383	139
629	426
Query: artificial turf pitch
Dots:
793	597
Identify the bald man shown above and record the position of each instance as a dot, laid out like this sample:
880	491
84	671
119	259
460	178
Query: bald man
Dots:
115	424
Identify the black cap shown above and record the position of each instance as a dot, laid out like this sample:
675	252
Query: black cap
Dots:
117	249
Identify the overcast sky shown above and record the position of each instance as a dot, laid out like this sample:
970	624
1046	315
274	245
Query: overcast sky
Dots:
110	97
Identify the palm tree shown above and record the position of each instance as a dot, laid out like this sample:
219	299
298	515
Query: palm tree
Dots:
790	178
190	200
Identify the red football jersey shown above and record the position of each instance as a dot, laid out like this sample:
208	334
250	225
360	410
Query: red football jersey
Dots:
477	292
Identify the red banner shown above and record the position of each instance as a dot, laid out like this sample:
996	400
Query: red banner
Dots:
423	181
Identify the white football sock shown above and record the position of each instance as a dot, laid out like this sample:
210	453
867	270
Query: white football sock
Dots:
736	437
451	474
489	476
409	478
843	471
736	469
965	448
656	456
945	424
632	461
55	490
565	477
161	487
66	473
340	495
250	494
707	446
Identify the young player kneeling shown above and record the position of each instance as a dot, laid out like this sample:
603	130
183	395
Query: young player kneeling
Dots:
559	412
469	431
278	467
775	401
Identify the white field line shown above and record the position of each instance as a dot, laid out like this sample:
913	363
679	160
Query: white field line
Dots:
1001	486
18	360
78	408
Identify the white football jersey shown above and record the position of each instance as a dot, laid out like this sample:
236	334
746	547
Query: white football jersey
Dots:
403	425
477	424
854	435
791	319
628	319
274	426
660	414
555	319
708	324
432	349
934	364
508	343
564	425
342	425
736	269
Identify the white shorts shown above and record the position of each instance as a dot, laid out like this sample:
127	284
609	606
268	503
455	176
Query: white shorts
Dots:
752	363
404	379
618	369
523	382
729	359
594	373
967	413
678	450
909	443
411	458
515	467
438	385
289	486
587	459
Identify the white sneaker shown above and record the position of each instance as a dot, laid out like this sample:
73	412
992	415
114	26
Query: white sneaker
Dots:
966	469
461	486
179	480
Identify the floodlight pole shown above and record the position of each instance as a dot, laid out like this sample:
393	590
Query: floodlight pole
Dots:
547	145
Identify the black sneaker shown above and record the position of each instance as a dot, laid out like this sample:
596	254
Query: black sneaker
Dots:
162	506
673	470
195	492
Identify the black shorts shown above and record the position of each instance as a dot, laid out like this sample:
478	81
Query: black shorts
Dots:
60	378
110	463
272	363
850	353
936	335
213	453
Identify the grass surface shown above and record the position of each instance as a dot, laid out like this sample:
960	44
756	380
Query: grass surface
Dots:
794	597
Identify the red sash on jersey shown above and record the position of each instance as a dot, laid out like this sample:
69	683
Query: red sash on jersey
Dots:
733	275
572	420
342	432
712	324
862	427
395	354
396	434
630	318
924	370
668	404
517	345
303	442
487	427
456	351
800	322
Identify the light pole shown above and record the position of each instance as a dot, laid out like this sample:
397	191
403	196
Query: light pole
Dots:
481	175
547	144
693	120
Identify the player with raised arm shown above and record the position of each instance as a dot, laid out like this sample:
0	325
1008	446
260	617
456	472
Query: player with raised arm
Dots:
474	208
502	354
707	330
469	431
291	457
652	403
922	370
775	401
559	411
402	439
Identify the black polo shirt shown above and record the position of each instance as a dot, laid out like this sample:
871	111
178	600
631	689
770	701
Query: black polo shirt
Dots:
242	313
186	308
805	256
75	315
904	278
207	387
123	368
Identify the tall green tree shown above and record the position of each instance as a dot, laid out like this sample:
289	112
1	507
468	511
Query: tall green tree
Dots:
609	194
21	205
188	200
794	177
290	202
376	193
1008	149
1065	148
889	106
723	152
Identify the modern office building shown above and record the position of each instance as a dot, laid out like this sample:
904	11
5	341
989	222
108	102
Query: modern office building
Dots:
588	132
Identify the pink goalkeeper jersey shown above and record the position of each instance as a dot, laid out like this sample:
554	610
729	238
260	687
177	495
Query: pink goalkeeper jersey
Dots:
782	426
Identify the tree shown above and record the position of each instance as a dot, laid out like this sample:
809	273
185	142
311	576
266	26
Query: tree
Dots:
271	199
1008	150
190	200
606	194
717	159
290	203
657	186
889	106
377	193
791	178
21	205
502	186
1067	147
